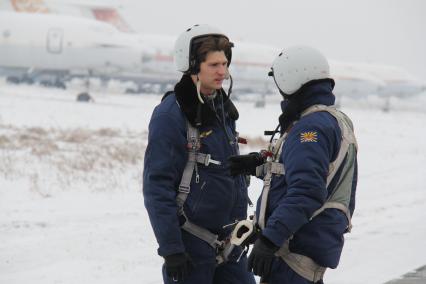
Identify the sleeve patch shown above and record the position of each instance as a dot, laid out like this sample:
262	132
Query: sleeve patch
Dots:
308	136
206	133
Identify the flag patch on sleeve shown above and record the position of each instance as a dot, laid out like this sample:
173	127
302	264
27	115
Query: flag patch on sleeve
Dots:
309	136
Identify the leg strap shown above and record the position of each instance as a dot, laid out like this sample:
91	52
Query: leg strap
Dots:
222	248
202	233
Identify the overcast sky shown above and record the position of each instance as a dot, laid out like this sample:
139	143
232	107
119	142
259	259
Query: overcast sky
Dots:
375	31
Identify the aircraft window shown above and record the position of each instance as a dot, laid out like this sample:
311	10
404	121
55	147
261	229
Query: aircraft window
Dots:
6	33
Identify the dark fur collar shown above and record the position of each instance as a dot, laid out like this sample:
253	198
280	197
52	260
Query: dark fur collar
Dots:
186	95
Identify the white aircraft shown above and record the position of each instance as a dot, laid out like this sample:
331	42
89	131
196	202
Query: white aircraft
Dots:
97	41
251	64
362	79
34	44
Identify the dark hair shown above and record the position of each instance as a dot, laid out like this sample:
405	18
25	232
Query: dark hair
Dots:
203	45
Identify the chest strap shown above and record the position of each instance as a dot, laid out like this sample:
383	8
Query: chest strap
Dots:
222	248
194	157
271	167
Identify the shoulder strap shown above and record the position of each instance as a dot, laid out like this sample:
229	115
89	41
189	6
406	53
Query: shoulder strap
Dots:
193	137
267	170
348	136
194	157
340	197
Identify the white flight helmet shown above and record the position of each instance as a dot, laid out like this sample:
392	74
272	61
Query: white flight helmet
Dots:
182	51
295	66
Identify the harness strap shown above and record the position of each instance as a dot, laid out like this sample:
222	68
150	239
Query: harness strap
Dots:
273	167
335	205
302	265
340	200
193	137
269	166
348	137
334	166
347	147
202	233
265	193
194	157
222	248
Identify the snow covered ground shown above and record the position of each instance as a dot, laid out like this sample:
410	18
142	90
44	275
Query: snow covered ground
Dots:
71	208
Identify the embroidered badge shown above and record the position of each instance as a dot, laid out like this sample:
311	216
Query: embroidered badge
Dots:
309	136
206	133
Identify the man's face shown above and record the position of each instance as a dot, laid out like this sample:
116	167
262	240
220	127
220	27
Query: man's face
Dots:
213	71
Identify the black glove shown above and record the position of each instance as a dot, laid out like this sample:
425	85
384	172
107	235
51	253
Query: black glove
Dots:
178	266
261	257
245	164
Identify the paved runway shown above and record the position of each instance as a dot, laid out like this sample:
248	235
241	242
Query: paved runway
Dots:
417	276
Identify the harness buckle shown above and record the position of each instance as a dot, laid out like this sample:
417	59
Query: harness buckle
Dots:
267	182
208	159
223	250
184	188
193	144
219	244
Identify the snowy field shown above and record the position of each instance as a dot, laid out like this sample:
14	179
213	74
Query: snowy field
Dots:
71	207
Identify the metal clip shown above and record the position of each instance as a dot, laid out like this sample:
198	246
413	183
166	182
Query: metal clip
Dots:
232	224
243	252
242	231
209	160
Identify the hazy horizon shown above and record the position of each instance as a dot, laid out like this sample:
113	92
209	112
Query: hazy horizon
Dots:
389	32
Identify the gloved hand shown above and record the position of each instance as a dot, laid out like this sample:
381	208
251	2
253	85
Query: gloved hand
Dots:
245	164
178	266
261	257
